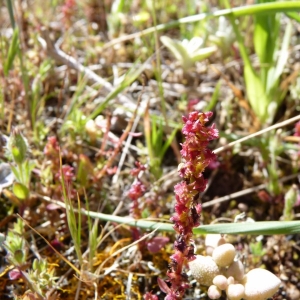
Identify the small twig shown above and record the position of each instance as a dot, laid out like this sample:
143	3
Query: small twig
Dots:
70	61
128	285
78	290
34	248
49	244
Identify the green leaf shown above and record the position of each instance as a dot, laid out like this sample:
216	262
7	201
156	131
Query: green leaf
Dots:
256	228
73	223
257	249
290	199
265	37
17	146
168	142
12	51
203	53
20	191
214	98
256	93
93	242
284	54
187	52
179	51
28	167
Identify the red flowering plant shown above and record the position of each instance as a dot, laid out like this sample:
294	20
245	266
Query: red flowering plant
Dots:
196	158
136	191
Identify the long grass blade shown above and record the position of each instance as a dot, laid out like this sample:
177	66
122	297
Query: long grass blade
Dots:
294	16
12	51
256	228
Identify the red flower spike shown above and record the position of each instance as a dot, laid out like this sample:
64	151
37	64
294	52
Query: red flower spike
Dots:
196	158
137	190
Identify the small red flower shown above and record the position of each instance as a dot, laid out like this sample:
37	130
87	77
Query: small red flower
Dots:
137	190
139	167
67	172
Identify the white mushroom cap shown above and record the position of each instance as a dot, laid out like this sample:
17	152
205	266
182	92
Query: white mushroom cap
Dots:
221	282
204	269
235	291
236	269
212	241
214	292
230	280
260	284
224	255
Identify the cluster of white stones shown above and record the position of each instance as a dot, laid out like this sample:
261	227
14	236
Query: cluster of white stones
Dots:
223	272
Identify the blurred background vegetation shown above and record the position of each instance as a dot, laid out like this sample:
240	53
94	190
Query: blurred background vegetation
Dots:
90	87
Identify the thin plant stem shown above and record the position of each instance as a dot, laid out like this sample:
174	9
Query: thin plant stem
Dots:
158	64
250	136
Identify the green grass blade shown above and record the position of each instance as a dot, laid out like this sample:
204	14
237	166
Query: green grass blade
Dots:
78	230
256	228
75	103
284	54
12	51
256	93
265	37
294	16
74	226
154	133
159	139
214	98
168	142
11	13
129	78
93	243
255	88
